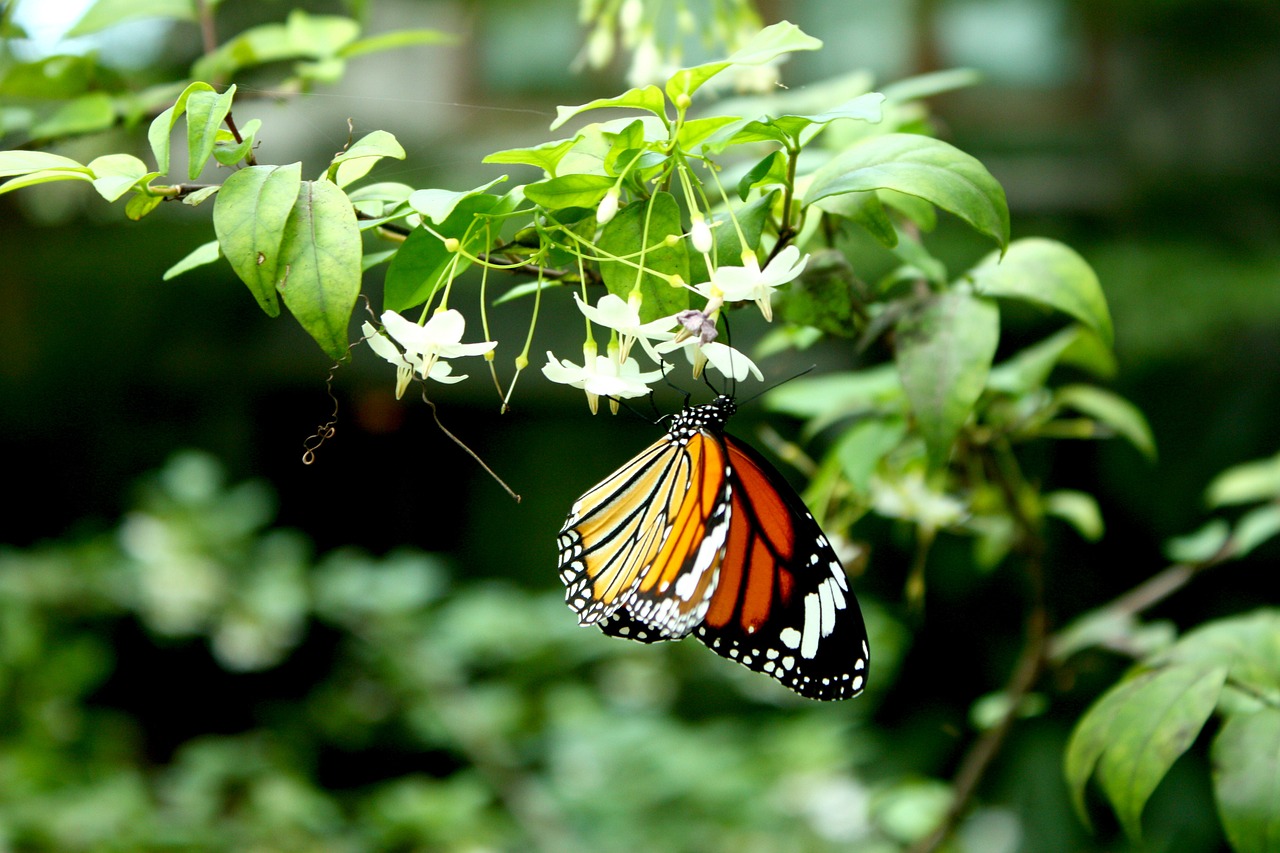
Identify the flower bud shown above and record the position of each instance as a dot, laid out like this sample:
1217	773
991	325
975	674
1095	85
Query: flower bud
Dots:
608	207
700	234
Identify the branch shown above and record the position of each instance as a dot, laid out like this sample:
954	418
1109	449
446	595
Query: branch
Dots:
1031	662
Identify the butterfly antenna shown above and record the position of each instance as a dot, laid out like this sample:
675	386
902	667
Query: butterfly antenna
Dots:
764	391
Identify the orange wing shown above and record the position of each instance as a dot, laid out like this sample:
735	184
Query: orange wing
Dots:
783	604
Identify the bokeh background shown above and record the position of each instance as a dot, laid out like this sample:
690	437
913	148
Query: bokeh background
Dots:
233	650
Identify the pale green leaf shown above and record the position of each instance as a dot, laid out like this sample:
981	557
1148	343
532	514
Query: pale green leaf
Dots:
319	269
162	125
1113	411
766	46
395	39
1256	526
85	114
570	191
43	177
438	205
1258	480
25	162
1203	544
920	166
355	162
944	352
206	111
116	174
1079	509
1135	732
140	204
546	156
647	98
107	13
249	218
1246	780
861	447
1248	645
198	257
1048	273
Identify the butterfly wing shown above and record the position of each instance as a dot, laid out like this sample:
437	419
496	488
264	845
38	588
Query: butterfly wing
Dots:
641	549
782	605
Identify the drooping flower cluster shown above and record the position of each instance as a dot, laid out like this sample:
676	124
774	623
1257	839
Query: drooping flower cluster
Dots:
618	375
426	346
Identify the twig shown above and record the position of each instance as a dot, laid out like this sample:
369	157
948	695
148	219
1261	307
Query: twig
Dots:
1031	662
468	450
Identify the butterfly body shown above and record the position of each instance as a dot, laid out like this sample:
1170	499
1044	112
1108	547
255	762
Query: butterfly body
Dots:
698	534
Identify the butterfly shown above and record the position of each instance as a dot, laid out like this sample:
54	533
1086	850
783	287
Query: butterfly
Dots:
698	534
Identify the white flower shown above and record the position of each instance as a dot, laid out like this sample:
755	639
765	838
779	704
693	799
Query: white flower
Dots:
601	376
724	358
623	317
425	346
737	284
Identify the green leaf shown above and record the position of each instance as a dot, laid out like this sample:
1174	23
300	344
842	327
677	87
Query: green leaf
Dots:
302	36
866	210
1203	544
769	44
198	257
866	107
824	297
861	447
394	40
59	77
423	264
1047	273
1112	410
945	347
141	204
228	152
1248	645
1246	483
200	196
647	98
319	267
43	177
354	163
1029	369
1256	526
25	162
1135	732
569	191
1079	509
920	166
438	205
646	224
85	114
1246	780
694	132
116	174
249	218
162	125
206	111
108	13
826	399
769	171
546	156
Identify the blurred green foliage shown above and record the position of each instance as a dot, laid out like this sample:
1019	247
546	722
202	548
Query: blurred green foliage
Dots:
501	723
